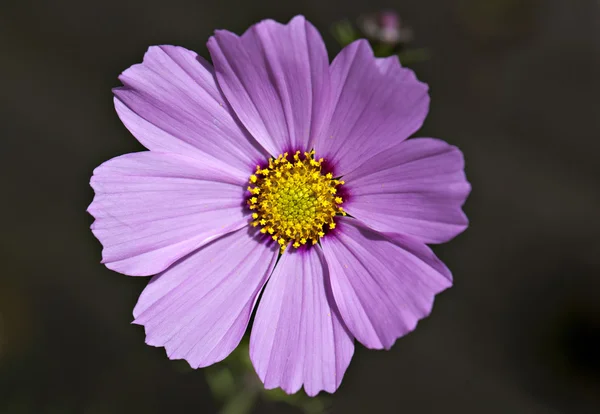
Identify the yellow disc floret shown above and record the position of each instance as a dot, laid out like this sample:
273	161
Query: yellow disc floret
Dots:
293	200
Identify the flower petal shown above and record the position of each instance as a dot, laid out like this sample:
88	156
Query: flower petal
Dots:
382	286
171	103
276	78
199	308
391	66
415	188
152	209
297	337
377	104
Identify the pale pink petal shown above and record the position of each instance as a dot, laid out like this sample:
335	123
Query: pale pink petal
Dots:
377	104
171	103
415	188
298	337
152	209
390	66
382	285
199	308
276	78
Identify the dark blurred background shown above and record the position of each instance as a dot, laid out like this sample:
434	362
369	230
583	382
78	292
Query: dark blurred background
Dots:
514	84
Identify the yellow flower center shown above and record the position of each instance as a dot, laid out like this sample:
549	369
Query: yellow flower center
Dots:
293	200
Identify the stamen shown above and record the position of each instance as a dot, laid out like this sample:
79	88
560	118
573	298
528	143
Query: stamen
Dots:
292	200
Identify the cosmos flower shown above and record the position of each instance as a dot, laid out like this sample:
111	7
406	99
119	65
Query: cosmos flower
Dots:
276	174
385	27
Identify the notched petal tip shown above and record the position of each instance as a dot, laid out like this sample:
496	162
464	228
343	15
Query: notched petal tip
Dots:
298	338
171	103
417	188
359	80
276	78
199	308
361	262
192	203
298	19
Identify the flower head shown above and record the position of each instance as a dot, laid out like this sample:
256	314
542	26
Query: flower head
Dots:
385	27
275	171
293	200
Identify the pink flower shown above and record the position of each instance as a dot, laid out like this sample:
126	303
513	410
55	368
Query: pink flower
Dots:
279	172
385	27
